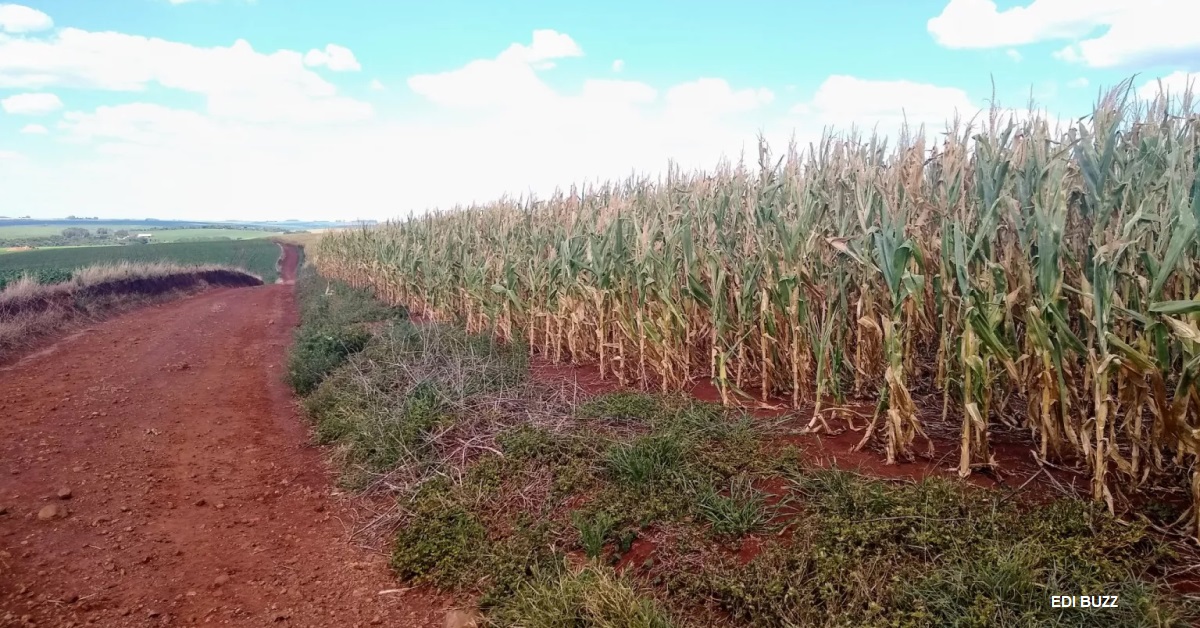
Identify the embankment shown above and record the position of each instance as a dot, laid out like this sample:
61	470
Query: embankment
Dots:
29	312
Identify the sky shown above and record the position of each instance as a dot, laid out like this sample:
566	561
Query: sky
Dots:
361	109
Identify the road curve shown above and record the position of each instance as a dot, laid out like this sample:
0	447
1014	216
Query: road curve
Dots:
194	495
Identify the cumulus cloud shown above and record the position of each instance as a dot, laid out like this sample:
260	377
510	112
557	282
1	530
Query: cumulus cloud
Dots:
618	65
1077	83
376	85
980	23
612	92
547	45
34	129
1152	32
1102	33
486	127
844	101
16	18
237	81
143	123
1173	85
1013	54
509	79
715	96
33	104
335	57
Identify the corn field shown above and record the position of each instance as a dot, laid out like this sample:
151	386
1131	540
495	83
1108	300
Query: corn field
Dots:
1040	278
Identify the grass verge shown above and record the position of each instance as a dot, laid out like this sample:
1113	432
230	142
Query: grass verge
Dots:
643	510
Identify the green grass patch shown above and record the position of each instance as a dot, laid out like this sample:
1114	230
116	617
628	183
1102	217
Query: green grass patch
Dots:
443	543
872	553
594	528
589	598
625	406
332	328
740	512
647	461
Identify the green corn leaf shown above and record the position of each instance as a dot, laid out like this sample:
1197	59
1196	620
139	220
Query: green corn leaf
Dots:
1174	308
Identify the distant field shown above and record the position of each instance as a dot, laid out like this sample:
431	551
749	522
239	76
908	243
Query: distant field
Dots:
309	238
53	265
14	232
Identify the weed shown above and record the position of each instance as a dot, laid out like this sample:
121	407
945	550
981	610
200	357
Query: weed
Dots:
526	442
318	351
591	598
521	555
645	461
442	543
623	406
331	330
594	530
870	553
742	512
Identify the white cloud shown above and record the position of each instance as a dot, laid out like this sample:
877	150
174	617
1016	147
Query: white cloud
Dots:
237	81
979	23
842	101
34	129
334	57
1174	85
496	127
34	104
16	18
547	45
697	101
510	79
141	123
610	91
377	85
10	155
1078	83
1151	32
618	65
1103	33
1013	54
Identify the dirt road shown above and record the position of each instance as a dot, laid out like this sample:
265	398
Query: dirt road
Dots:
189	492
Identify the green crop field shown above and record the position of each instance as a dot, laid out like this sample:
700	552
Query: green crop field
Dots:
258	256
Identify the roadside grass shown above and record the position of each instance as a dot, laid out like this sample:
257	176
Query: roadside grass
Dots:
588	598
644	510
333	318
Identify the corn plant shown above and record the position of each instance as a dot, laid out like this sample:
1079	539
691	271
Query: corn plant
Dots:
1042	279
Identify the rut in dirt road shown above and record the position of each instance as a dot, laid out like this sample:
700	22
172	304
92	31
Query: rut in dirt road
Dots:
190	494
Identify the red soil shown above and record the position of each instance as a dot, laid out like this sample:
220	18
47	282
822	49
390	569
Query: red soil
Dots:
195	497
289	262
1012	451
640	550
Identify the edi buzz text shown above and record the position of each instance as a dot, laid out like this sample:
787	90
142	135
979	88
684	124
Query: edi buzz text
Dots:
1084	601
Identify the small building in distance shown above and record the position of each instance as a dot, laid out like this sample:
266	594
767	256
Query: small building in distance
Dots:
145	235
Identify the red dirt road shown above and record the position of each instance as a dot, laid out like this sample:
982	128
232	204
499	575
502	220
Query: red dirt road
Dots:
195	498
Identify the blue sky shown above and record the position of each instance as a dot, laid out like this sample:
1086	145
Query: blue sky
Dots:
352	109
